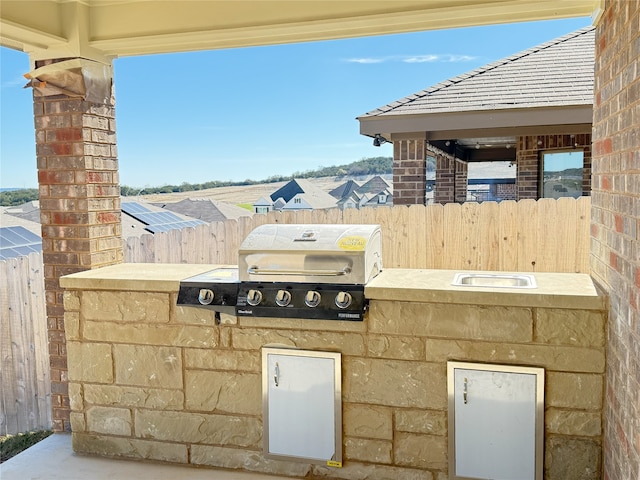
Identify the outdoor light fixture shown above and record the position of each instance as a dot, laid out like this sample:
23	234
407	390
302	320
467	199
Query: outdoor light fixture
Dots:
379	140
477	146
447	143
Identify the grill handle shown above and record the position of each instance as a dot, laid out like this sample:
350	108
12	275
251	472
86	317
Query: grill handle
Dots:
255	270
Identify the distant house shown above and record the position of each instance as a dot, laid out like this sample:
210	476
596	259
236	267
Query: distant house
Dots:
263	205
301	194
373	193
297	194
206	209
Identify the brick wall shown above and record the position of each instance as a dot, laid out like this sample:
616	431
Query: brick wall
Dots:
409	172
79	211
615	228
528	160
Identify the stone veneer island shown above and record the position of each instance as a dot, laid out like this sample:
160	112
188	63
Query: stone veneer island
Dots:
152	380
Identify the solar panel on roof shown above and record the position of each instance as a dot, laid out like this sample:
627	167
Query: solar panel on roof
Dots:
157	221
17	241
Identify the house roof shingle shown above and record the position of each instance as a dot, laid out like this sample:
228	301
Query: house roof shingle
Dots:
556	73
312	195
207	210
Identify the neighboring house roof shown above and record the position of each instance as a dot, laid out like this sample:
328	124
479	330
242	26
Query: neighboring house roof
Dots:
27	211
345	189
9	219
556	73
206	209
263	202
375	185
298	203
312	195
279	203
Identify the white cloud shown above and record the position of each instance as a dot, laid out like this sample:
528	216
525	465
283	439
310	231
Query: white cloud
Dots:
421	59
432	57
365	60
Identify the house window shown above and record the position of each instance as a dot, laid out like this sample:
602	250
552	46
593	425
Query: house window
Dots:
562	174
262	209
297	200
382	198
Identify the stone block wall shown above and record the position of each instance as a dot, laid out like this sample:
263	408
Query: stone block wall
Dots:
152	380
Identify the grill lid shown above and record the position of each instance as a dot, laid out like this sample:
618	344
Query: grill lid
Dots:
346	254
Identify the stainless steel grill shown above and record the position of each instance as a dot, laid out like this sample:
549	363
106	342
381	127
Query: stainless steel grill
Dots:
297	271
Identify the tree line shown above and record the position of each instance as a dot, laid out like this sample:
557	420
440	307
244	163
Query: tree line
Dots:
366	166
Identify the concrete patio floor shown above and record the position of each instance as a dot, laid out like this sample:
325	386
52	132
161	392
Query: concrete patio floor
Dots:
53	459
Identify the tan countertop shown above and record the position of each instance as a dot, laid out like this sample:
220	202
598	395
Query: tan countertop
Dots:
137	277
559	290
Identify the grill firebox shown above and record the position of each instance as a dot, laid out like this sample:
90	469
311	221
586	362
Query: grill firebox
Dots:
295	271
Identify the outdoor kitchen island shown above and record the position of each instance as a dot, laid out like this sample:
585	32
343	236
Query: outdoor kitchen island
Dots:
152	380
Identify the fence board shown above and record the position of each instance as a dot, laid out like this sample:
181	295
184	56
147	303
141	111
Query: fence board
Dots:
527	237
434	224
417	228
566	234
548	241
453	236
508	234
489	233
583	243
470	235
9	420
40	341
25	399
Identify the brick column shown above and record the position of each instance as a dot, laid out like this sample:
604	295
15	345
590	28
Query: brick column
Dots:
615	226
445	187
79	210
462	173
409	172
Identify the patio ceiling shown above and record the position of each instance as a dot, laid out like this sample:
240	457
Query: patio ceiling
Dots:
105	29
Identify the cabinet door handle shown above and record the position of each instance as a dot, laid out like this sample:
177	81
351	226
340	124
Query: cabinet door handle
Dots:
464	391
276	376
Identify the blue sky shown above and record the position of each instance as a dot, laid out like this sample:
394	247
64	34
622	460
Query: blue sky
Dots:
251	113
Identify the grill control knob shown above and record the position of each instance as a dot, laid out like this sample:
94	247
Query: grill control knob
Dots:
343	299
205	296
254	297
312	298
283	298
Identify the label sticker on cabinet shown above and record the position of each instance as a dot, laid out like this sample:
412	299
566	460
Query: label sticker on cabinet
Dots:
352	243
333	463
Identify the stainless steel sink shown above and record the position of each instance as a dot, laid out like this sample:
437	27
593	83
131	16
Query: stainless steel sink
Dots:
507	280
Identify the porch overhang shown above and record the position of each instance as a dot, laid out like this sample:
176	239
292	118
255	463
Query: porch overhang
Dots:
480	134
101	30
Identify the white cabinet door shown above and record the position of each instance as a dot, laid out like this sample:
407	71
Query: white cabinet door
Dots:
302	405
497	421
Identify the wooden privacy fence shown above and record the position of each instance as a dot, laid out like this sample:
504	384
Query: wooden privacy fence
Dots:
25	399
527	236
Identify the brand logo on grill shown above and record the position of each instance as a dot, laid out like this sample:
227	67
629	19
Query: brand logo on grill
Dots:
348	315
245	312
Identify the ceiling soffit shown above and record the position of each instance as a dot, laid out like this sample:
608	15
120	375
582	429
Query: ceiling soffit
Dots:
105	29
